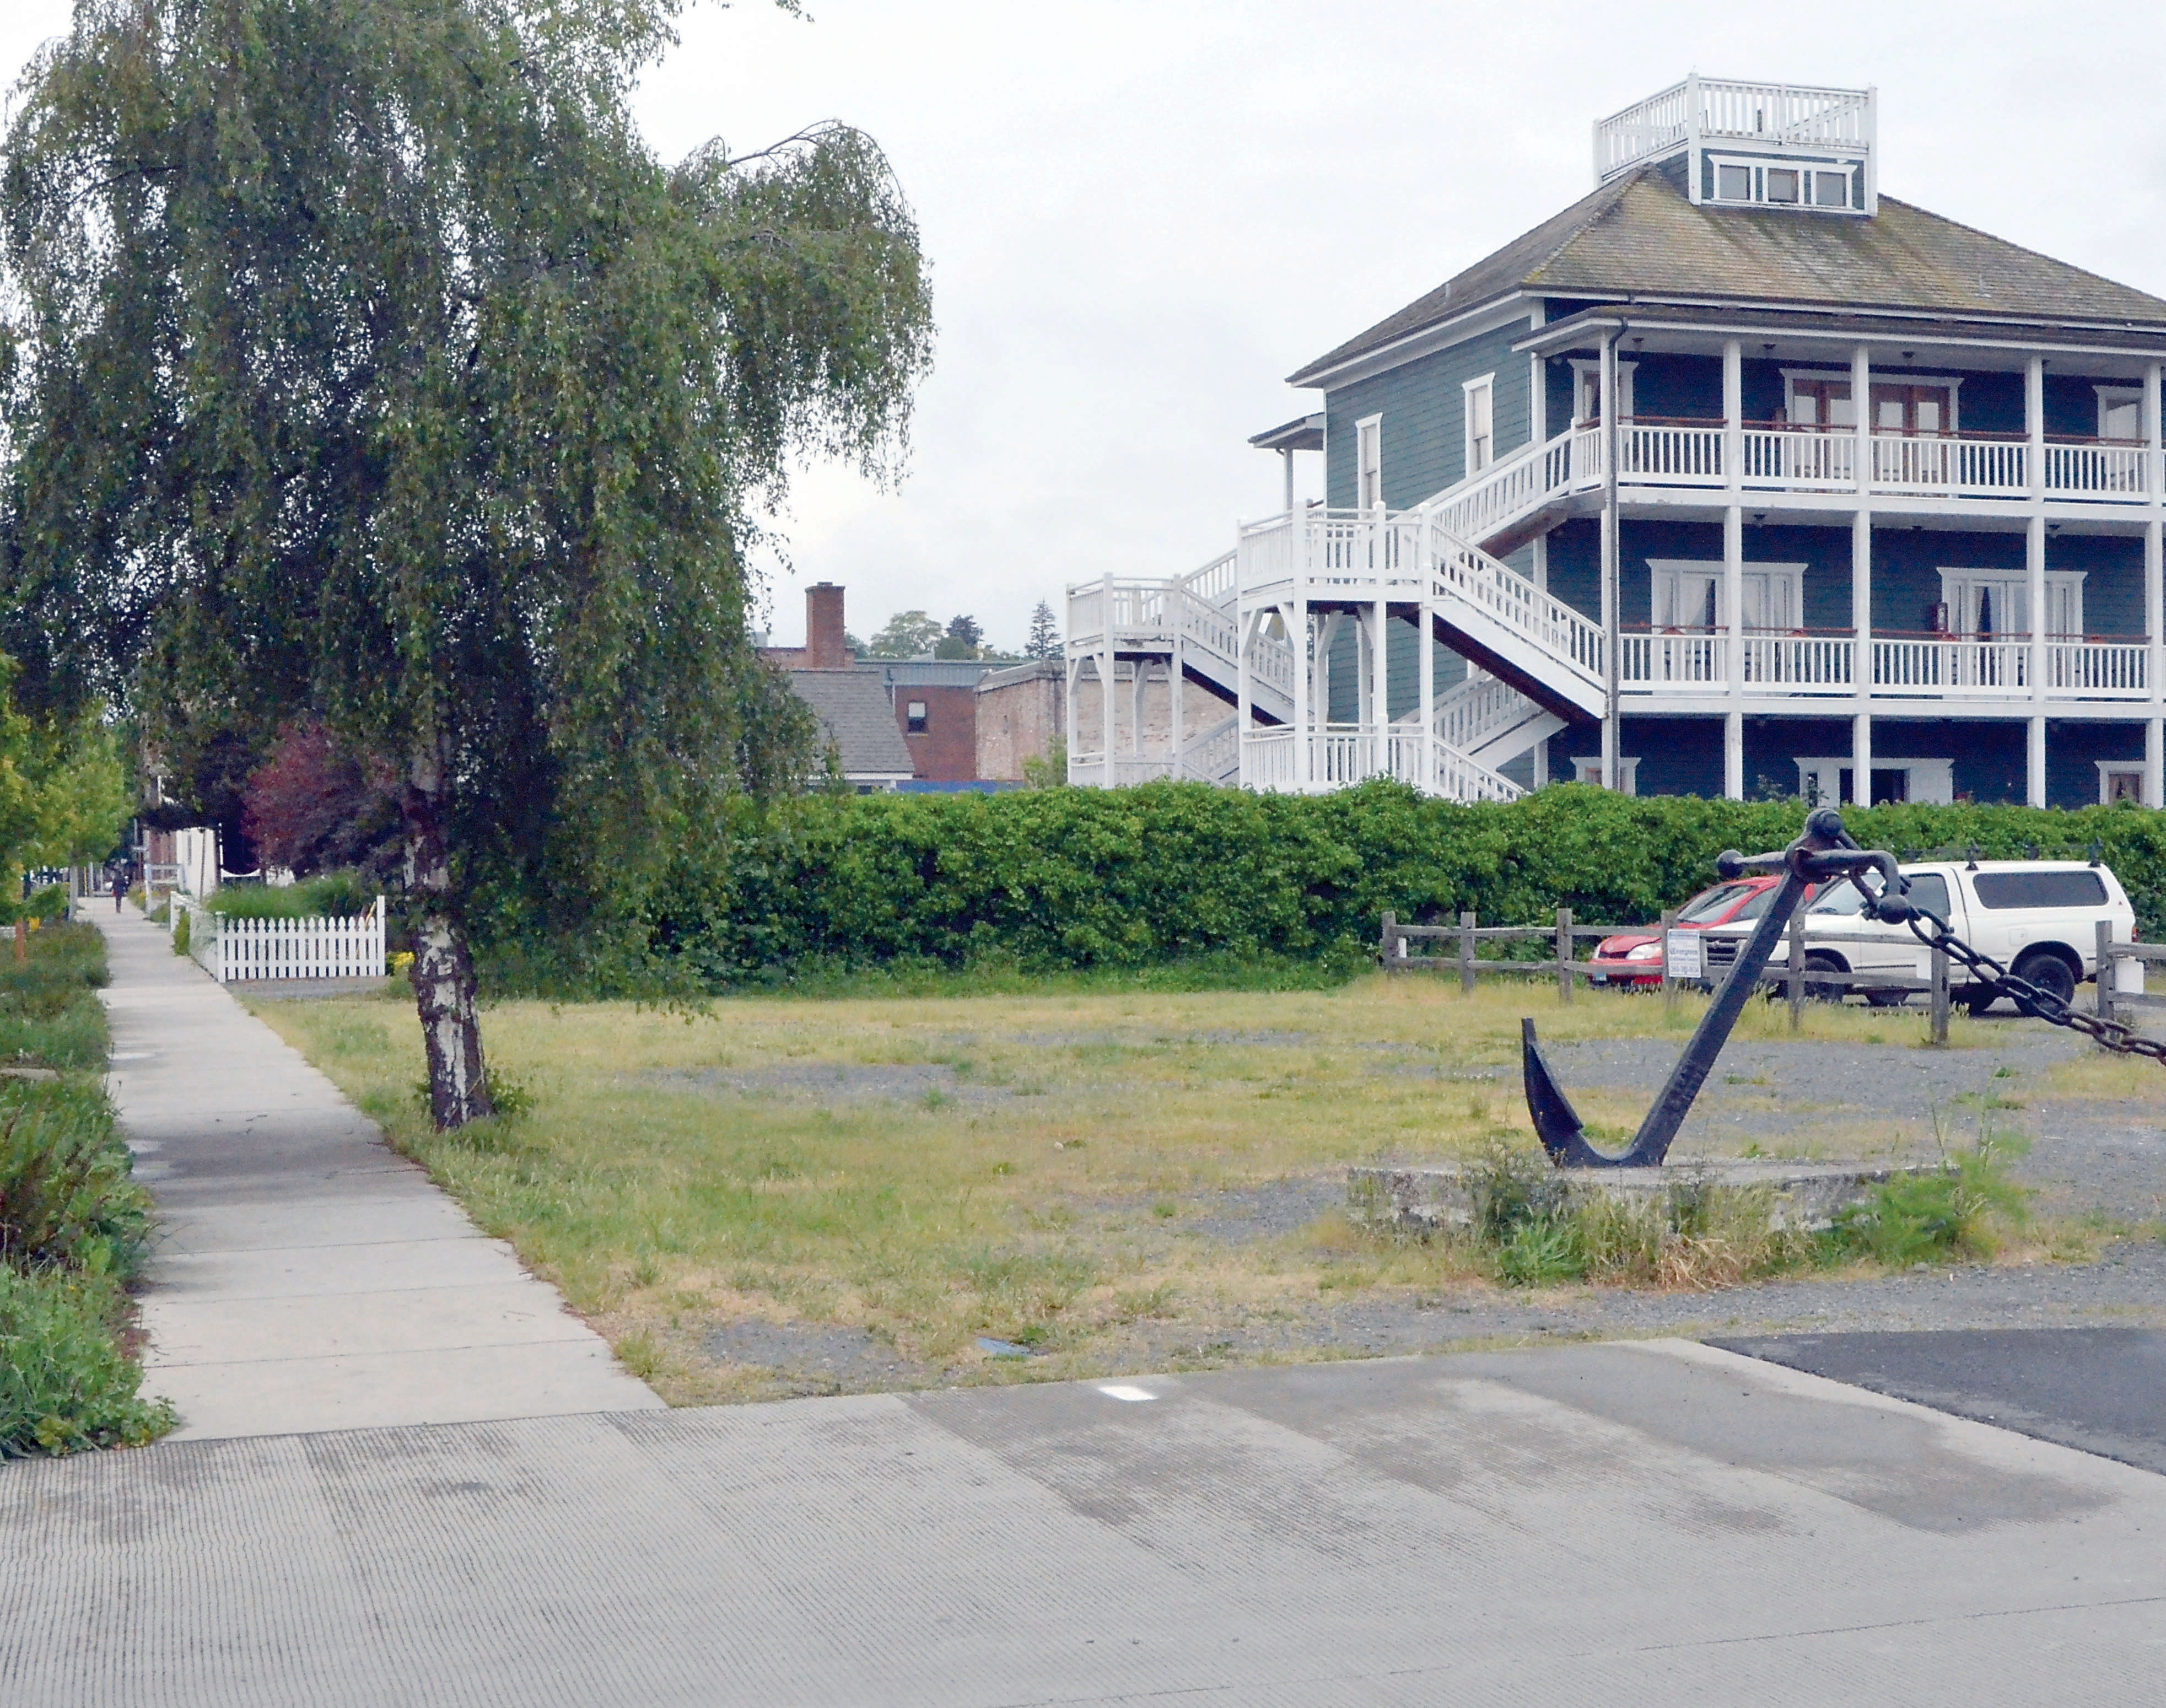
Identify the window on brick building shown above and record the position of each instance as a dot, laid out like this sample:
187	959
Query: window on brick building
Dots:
914	713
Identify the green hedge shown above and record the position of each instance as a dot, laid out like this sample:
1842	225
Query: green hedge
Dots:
1082	878
74	1221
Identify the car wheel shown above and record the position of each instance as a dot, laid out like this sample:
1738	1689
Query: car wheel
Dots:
1819	990
2050	973
1978	1000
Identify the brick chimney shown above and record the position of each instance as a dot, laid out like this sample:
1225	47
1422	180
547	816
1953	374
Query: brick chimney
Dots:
823	628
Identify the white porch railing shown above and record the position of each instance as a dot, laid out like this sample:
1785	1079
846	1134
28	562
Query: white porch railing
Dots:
1795	665
1675	662
1340	755
317	947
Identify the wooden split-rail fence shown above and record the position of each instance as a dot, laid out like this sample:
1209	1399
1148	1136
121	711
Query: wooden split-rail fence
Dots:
1788	973
318	946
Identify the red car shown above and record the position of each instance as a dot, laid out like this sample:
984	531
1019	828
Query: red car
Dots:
1636	957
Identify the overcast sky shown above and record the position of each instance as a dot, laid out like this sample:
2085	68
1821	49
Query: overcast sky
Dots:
1142	214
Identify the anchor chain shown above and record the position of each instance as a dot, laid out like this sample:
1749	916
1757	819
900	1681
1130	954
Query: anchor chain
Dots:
2038	1003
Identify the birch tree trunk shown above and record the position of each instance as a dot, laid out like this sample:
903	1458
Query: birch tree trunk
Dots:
443	973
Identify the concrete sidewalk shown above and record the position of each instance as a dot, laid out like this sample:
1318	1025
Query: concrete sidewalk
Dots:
307	1277
1657	1524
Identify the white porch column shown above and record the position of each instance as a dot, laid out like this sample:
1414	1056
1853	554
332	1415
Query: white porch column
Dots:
1304	659
1106	688
1611	600
2154	631
2154	592
2035	767
1860	581
2034	424
1246	631
1861	622
1174	694
1069	726
2034	564
1425	639
1861	398
1733	643
1733	755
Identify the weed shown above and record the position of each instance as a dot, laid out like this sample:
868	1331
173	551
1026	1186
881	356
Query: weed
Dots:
64	1383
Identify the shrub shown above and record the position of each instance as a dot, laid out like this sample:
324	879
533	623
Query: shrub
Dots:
1063	879
65	1382
50	1014
339	893
66	1193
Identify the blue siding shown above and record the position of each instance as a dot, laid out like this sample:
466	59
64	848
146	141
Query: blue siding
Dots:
1424	409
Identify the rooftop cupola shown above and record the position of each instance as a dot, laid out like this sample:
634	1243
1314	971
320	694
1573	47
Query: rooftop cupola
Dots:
1751	144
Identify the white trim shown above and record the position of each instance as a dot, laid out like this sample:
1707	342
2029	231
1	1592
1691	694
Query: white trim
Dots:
1715	570
1366	497
2058	581
2108	396
1758	166
2109	769
1467	387
1586	385
1929	781
1589	771
1954	382
1491	314
1647	318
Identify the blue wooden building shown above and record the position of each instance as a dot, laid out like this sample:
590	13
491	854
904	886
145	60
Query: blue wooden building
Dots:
1735	478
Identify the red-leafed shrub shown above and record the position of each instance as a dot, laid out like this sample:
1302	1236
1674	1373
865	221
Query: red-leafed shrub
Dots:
314	806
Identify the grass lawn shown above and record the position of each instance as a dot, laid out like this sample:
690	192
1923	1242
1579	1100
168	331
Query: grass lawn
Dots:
1094	1173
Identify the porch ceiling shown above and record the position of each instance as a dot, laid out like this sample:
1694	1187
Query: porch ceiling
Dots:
1896	341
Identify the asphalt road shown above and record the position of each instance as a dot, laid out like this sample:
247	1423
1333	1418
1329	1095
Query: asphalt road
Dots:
2100	1389
1658	1523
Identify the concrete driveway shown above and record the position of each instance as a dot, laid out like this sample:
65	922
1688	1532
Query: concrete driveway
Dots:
1659	1523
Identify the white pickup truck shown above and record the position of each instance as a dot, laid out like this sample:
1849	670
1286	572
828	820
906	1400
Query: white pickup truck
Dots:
2038	918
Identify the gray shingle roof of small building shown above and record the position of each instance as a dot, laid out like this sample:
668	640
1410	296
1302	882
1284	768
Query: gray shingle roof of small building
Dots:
1640	234
854	713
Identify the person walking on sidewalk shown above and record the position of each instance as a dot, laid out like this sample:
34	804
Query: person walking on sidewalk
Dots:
119	887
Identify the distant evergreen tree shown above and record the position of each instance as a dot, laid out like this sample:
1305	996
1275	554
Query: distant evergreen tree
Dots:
966	639
1044	642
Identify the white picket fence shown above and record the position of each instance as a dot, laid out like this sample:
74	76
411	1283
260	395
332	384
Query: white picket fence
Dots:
318	947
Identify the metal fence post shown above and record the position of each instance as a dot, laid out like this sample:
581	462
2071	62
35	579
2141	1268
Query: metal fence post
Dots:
1669	984
1466	953
1797	971
1390	950
1939	962
1564	954
2106	970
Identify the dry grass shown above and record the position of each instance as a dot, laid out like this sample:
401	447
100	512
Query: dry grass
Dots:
1049	1170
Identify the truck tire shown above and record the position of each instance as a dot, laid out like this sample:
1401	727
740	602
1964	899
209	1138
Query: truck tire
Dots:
2049	972
1980	998
1819	990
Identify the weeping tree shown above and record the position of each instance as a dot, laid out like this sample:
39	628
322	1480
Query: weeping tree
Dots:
362	362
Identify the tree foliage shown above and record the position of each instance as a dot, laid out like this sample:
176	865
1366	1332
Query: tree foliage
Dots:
363	361
909	634
1044	641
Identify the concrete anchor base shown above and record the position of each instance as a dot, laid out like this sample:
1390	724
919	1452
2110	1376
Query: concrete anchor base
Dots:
1800	1196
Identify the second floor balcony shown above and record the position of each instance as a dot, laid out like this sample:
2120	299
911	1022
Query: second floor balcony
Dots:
1793	665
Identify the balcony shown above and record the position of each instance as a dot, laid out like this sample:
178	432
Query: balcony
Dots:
1789	666
1773	457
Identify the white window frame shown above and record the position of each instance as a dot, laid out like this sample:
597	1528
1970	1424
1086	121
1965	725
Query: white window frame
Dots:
2108	770
1952	580
1589	771
1369	462
1756	167
1485	387
1954	382
1672	570
2109	396
1586	380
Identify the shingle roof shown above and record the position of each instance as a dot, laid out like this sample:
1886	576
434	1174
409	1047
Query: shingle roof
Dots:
1640	234
855	715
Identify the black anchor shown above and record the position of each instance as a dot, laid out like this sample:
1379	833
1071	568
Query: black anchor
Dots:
1825	854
